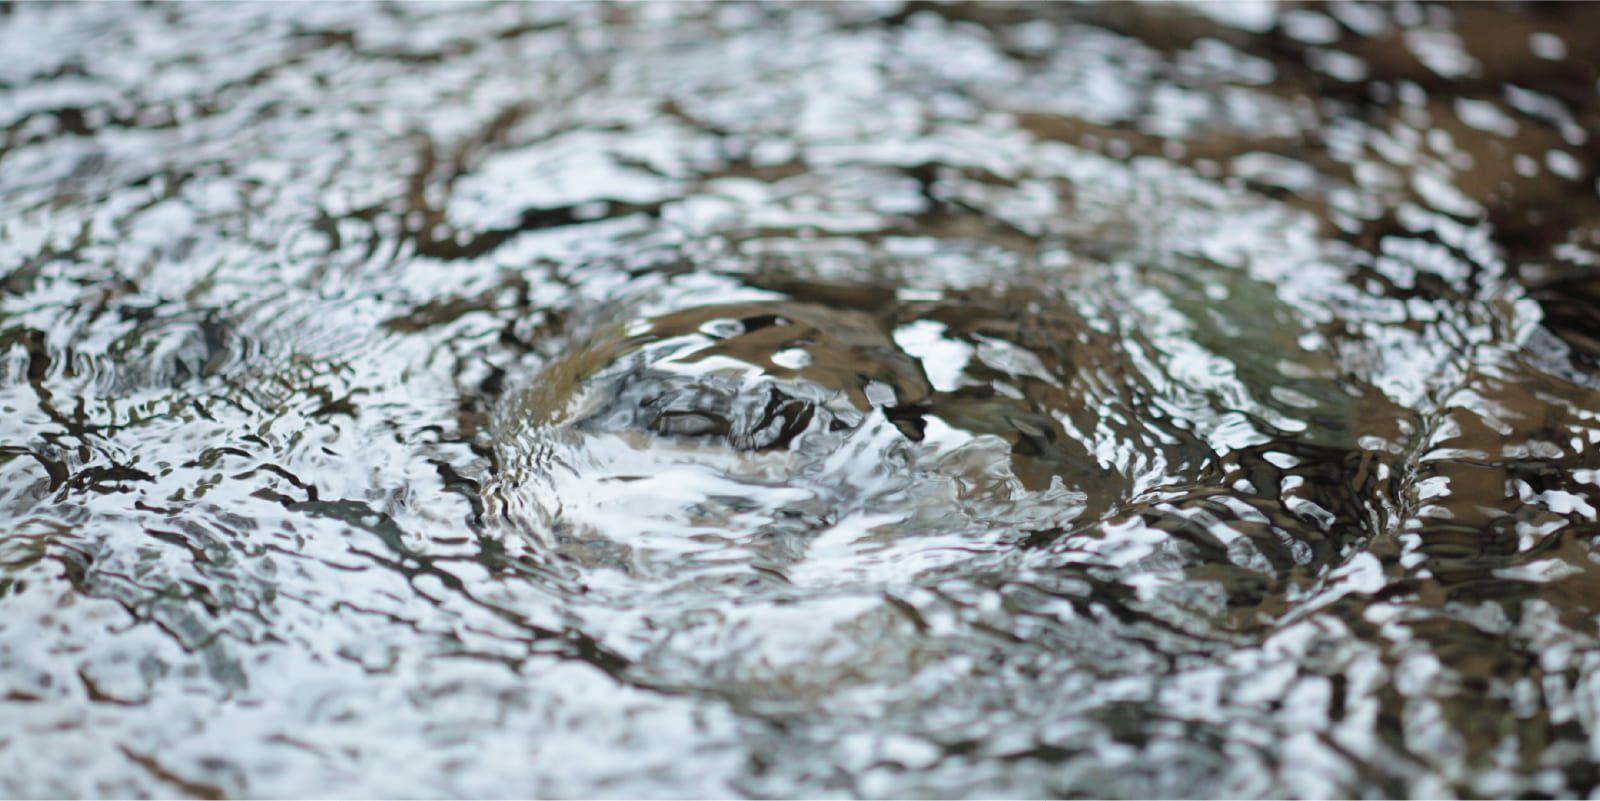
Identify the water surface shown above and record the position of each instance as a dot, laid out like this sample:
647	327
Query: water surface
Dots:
838	400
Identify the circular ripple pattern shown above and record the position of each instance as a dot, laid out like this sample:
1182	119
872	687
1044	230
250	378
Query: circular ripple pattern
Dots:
838	400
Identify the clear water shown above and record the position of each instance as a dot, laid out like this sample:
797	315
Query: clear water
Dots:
799	400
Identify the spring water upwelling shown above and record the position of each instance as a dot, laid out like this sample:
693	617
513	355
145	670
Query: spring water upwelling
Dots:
798	400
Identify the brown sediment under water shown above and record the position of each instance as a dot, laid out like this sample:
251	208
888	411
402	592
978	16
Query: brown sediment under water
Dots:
822	400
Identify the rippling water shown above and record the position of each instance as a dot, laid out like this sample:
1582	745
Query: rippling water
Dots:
799	400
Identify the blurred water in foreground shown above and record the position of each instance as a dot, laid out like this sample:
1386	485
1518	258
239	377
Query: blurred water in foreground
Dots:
838	400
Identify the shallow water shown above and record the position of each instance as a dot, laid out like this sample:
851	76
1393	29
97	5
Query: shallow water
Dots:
799	400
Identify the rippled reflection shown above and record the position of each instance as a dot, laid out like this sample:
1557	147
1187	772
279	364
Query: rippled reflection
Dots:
890	400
